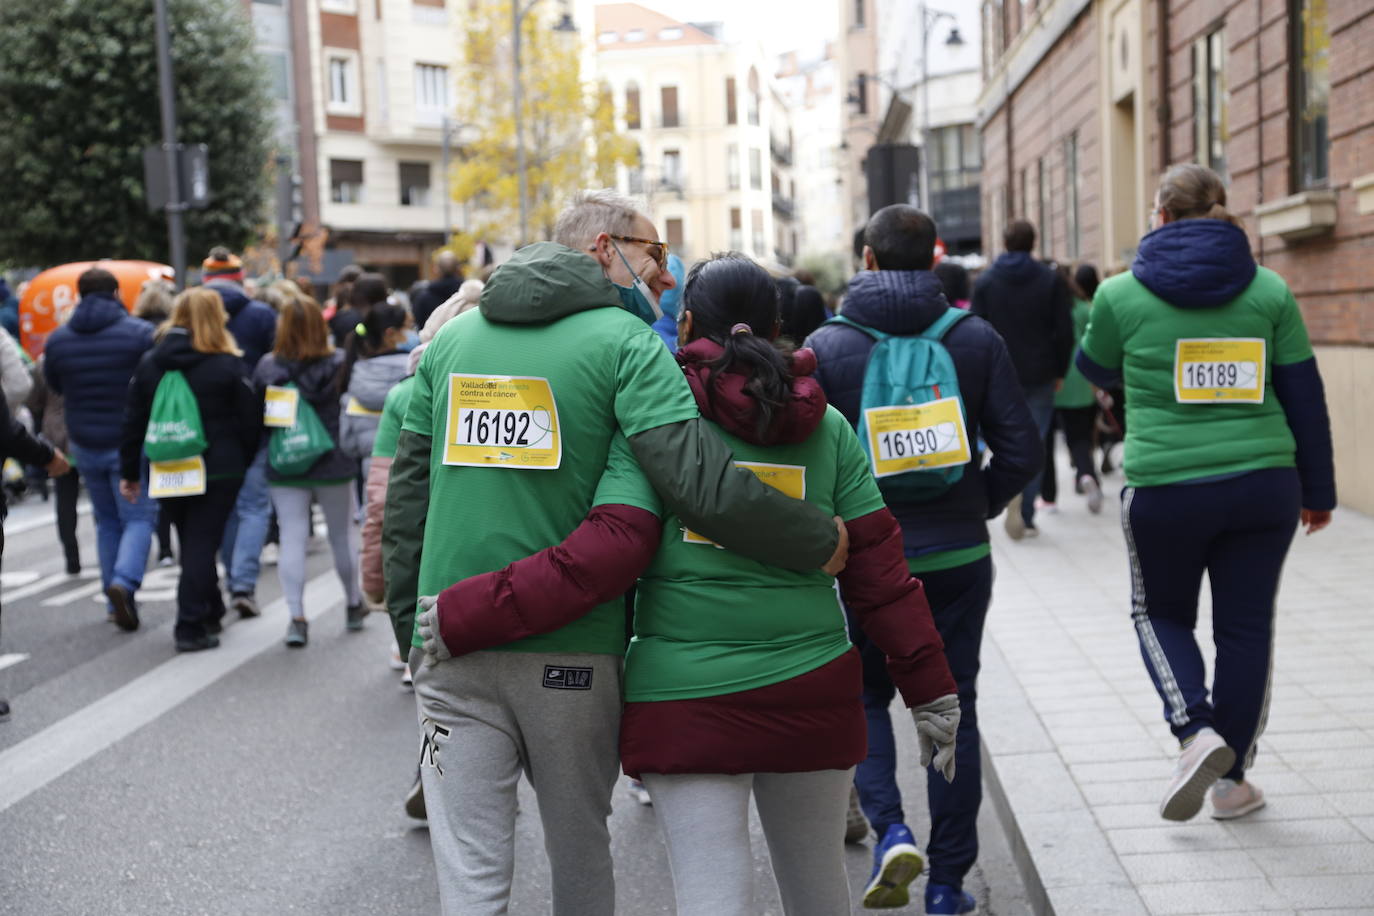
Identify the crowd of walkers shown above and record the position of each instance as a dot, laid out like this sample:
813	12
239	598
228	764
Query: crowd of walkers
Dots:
684	522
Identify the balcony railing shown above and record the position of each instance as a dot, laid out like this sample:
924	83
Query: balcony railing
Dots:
784	207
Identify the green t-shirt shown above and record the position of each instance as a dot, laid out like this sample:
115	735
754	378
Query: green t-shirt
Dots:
709	621
571	383
1076	391
1177	429
393	413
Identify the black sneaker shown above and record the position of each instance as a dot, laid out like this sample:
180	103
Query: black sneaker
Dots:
73	567
125	610
357	613
214	626
198	643
5	717
245	603
415	800
297	634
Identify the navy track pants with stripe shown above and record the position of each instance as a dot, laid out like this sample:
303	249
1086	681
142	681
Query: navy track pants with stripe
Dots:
1238	531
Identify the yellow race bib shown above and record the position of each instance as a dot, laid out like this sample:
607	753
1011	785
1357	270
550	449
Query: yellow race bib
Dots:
789	478
502	421
279	406
185	477
1220	370
917	437
355	408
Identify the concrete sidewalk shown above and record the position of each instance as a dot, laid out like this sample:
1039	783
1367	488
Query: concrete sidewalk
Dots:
1081	754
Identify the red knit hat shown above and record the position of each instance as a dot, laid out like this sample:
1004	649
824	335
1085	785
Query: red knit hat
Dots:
222	264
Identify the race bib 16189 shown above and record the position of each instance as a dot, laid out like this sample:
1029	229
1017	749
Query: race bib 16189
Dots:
1219	370
917	437
502	421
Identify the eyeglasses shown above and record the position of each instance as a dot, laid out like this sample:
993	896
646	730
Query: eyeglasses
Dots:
657	250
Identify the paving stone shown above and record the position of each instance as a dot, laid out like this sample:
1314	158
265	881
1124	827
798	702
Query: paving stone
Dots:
1222	896
1193	865
1339	859
1119	899
1277	834
1326	890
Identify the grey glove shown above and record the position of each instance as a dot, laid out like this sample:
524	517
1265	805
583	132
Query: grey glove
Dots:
937	722
427	625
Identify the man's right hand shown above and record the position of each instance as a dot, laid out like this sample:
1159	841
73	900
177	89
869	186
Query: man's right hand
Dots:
841	555
59	464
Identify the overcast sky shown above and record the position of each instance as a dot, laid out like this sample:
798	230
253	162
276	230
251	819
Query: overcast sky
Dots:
782	25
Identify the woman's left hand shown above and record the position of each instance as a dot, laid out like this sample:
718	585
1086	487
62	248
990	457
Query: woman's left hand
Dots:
1315	519
130	490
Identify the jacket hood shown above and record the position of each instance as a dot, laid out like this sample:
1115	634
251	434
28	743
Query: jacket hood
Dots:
174	351
96	312
1195	263
544	282
371	379
233	295
722	399
314	378
1016	266
413	357
895	301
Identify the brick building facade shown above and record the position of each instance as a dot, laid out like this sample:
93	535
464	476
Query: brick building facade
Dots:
1086	102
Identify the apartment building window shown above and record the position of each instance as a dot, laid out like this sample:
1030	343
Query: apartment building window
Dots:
414	181
634	35
675	233
1072	226
635	174
346	181
753	100
756	169
345	96
760	245
736	230
672	169
1312	93
732	166
731	103
278	74
668	105
861	93
632	106
672	33
431	93
607	38
954	158
1042	219
1210	130
859	13
339	6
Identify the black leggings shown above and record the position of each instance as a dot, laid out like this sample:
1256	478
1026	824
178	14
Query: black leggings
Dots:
67	489
200	522
1077	424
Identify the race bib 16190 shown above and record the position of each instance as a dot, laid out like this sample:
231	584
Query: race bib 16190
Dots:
502	421
917	437
1220	370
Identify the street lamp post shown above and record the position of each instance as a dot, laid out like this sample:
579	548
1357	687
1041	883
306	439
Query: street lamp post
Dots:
176	237
518	14
929	18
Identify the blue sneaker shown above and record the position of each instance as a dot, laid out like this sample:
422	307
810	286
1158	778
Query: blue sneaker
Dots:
943	900
896	863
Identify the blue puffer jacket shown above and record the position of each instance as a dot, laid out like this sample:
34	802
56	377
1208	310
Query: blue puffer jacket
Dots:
907	302
89	361
253	323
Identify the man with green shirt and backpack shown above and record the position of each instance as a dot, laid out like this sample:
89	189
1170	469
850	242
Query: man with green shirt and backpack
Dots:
923	383
512	414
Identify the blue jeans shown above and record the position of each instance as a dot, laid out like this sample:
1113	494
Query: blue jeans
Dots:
1040	400
246	530
959	599
123	530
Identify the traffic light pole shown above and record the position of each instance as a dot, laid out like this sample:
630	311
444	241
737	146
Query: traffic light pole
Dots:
176	235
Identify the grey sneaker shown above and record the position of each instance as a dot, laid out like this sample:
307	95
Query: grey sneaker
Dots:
1015	524
356	614
855	824
1093	490
245	603
1203	760
297	633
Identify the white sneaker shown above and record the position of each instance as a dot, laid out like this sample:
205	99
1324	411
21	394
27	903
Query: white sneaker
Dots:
407	681
397	663
270	553
639	793
1231	799
1200	764
1015	524
1093	490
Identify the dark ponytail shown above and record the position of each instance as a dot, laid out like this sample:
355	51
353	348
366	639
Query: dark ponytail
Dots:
367	338
734	302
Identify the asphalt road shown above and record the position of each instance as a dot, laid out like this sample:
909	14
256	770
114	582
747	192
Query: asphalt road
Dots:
254	779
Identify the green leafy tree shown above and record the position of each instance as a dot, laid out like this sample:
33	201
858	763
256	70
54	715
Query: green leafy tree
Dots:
79	102
569	126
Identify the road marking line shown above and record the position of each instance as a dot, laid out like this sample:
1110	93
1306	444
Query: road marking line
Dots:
16	579
42	585
12	658
61	747
41	522
75	594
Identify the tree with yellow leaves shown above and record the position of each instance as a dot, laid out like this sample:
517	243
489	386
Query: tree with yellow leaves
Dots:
569	126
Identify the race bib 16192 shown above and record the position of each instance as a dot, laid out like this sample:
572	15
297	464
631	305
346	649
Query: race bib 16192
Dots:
1220	370
917	437
502	421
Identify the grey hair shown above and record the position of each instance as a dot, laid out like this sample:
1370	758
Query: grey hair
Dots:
594	212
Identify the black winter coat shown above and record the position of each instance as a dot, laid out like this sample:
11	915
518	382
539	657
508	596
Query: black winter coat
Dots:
315	379
1030	306
907	302
229	410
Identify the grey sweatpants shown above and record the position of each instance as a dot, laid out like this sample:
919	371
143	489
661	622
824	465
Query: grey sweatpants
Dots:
293	518
705	822
485	718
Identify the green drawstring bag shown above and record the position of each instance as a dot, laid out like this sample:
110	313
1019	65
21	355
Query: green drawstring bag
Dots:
174	428
293	451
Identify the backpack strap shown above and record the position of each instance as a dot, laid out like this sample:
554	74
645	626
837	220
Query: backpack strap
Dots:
940	326
847	322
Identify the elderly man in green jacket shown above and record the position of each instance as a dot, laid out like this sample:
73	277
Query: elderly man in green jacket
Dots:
510	422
